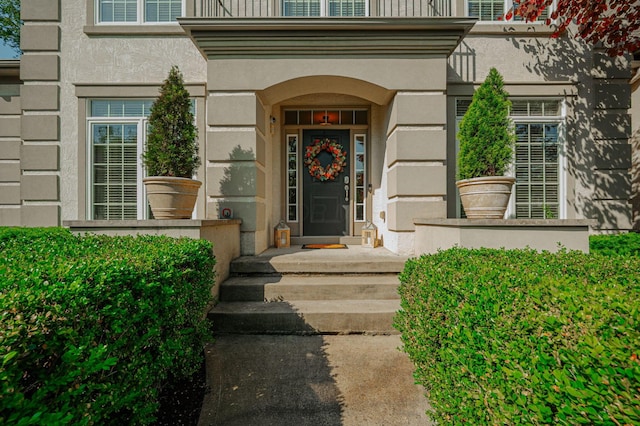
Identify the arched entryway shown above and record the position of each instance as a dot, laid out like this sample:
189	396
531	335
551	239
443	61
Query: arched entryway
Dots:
329	152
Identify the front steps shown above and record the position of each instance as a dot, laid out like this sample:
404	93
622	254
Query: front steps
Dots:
310	293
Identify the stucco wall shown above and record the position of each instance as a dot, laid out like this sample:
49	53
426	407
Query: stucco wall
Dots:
595	88
237	97
10	163
119	59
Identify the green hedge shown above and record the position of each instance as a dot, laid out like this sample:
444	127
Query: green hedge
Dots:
519	337
624	244
93	326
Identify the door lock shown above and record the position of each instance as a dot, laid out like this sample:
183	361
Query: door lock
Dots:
346	193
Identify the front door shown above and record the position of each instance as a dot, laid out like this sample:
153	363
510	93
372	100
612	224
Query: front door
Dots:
326	182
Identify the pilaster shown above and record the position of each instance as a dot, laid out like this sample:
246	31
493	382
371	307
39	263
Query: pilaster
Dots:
416	159
611	129
235	164
10	111
40	120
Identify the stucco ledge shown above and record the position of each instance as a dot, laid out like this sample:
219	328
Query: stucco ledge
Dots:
433	235
147	224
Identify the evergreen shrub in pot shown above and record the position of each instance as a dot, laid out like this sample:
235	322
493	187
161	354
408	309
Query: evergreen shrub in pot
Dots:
487	140
171	153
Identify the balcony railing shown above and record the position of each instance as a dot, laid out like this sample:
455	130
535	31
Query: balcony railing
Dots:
327	8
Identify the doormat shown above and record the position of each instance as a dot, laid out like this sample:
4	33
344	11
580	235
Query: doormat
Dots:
324	246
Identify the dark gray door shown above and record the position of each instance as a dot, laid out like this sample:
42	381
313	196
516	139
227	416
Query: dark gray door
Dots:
326	199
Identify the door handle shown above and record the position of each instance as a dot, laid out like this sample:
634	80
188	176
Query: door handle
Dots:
346	193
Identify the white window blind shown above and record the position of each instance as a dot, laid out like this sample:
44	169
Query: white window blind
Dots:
324	8
495	10
117	10
486	10
543	16
115	168
537	188
138	11
116	140
162	10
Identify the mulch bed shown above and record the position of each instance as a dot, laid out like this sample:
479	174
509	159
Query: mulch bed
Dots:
181	402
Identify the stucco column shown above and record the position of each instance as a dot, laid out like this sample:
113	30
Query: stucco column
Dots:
415	160
40	121
235	164
611	123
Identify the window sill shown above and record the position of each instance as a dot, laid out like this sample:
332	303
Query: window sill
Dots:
512	28
143	30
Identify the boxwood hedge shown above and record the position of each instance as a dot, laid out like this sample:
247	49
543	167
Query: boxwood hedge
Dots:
520	337
625	244
93	326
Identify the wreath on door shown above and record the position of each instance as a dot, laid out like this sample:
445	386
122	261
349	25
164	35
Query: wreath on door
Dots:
316	170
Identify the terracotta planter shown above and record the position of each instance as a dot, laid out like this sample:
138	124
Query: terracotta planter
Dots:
485	197
171	197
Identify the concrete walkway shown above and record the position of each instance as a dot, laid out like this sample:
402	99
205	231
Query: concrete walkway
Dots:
350	380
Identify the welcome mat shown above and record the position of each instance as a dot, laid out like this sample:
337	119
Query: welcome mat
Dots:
324	246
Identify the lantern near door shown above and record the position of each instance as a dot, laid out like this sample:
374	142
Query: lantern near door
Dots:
369	235
282	235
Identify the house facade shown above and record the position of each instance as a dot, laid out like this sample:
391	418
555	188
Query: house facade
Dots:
277	84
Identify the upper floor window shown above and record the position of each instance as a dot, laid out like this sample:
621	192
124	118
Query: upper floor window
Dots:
324	8
495	10
138	11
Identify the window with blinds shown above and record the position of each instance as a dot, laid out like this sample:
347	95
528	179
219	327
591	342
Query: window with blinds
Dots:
495	10
485	10
116	140
162	10
538	125
117	10
138	11
324	8
537	186
542	18
115	182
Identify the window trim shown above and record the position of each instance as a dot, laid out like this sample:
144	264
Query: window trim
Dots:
560	120
141	123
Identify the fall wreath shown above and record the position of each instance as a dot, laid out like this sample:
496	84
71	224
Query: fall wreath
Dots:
316	169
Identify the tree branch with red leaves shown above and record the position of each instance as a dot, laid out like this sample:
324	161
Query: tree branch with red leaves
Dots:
614	23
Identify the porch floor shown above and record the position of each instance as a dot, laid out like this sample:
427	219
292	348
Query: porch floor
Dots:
354	259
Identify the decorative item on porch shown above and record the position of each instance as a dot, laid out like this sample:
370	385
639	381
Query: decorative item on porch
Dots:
316	170
171	153
486	149
282	235
369	235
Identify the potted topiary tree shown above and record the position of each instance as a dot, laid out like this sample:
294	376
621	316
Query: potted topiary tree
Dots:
171	153
487	139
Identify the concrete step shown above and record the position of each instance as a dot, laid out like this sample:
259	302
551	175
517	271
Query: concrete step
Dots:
258	288
306	317
327	262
